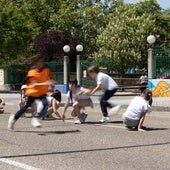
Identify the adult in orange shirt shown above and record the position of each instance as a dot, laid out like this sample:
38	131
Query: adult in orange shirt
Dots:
38	82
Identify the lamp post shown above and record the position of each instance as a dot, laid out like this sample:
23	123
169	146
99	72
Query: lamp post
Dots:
66	49
79	48
151	40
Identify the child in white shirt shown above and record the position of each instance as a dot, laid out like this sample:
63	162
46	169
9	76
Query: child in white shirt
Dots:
135	114
106	83
78	101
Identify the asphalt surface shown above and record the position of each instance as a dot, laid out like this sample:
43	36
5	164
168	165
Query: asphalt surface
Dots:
90	146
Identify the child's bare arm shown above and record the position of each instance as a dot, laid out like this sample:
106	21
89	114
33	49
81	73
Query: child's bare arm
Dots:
142	118
2	103
55	106
47	83
85	91
98	87
65	109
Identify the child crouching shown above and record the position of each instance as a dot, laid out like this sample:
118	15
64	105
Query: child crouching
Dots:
135	114
54	103
78	101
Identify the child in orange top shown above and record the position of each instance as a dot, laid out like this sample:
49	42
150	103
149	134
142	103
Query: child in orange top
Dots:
38	82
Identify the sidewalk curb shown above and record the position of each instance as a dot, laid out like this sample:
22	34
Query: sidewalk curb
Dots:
10	92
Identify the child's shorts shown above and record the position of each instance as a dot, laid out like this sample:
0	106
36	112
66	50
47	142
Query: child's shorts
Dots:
89	102
130	122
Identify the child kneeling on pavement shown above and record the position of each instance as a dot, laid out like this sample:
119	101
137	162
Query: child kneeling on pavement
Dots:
78	101
135	114
54	104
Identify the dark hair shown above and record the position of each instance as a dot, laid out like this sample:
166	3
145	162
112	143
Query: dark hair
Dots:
147	94
73	82
57	95
36	57
93	69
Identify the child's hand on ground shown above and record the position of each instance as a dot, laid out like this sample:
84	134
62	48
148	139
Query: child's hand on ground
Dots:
141	130
58	115
63	117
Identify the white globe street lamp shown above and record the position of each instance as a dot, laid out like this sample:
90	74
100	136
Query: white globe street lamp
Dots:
79	48
151	39
66	49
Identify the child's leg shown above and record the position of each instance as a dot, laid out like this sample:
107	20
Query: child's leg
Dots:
103	101
23	109
77	106
50	111
56	113
42	107
76	109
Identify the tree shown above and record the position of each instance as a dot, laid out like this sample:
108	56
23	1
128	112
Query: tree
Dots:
30	18
124	37
23	20
50	45
82	18
16	33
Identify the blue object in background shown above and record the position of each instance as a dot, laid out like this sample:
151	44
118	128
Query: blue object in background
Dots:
150	85
63	88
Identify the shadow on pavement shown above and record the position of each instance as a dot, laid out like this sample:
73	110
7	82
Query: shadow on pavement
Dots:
149	129
86	150
116	122
91	123
44	133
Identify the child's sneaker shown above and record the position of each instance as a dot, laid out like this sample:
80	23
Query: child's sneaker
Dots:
35	123
11	122
114	110
104	119
78	121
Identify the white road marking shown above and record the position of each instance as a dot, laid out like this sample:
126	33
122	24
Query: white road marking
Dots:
119	127
18	164
104	125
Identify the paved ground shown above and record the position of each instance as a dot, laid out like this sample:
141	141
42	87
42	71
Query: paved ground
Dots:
91	146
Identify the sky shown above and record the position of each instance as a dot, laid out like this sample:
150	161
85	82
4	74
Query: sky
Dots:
165	4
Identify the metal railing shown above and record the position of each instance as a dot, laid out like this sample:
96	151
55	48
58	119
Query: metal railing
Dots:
161	68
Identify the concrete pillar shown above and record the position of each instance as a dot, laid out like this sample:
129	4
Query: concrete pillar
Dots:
150	64
78	69
65	70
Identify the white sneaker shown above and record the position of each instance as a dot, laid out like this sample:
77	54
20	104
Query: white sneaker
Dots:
114	110
77	121
35	123
104	119
11	122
